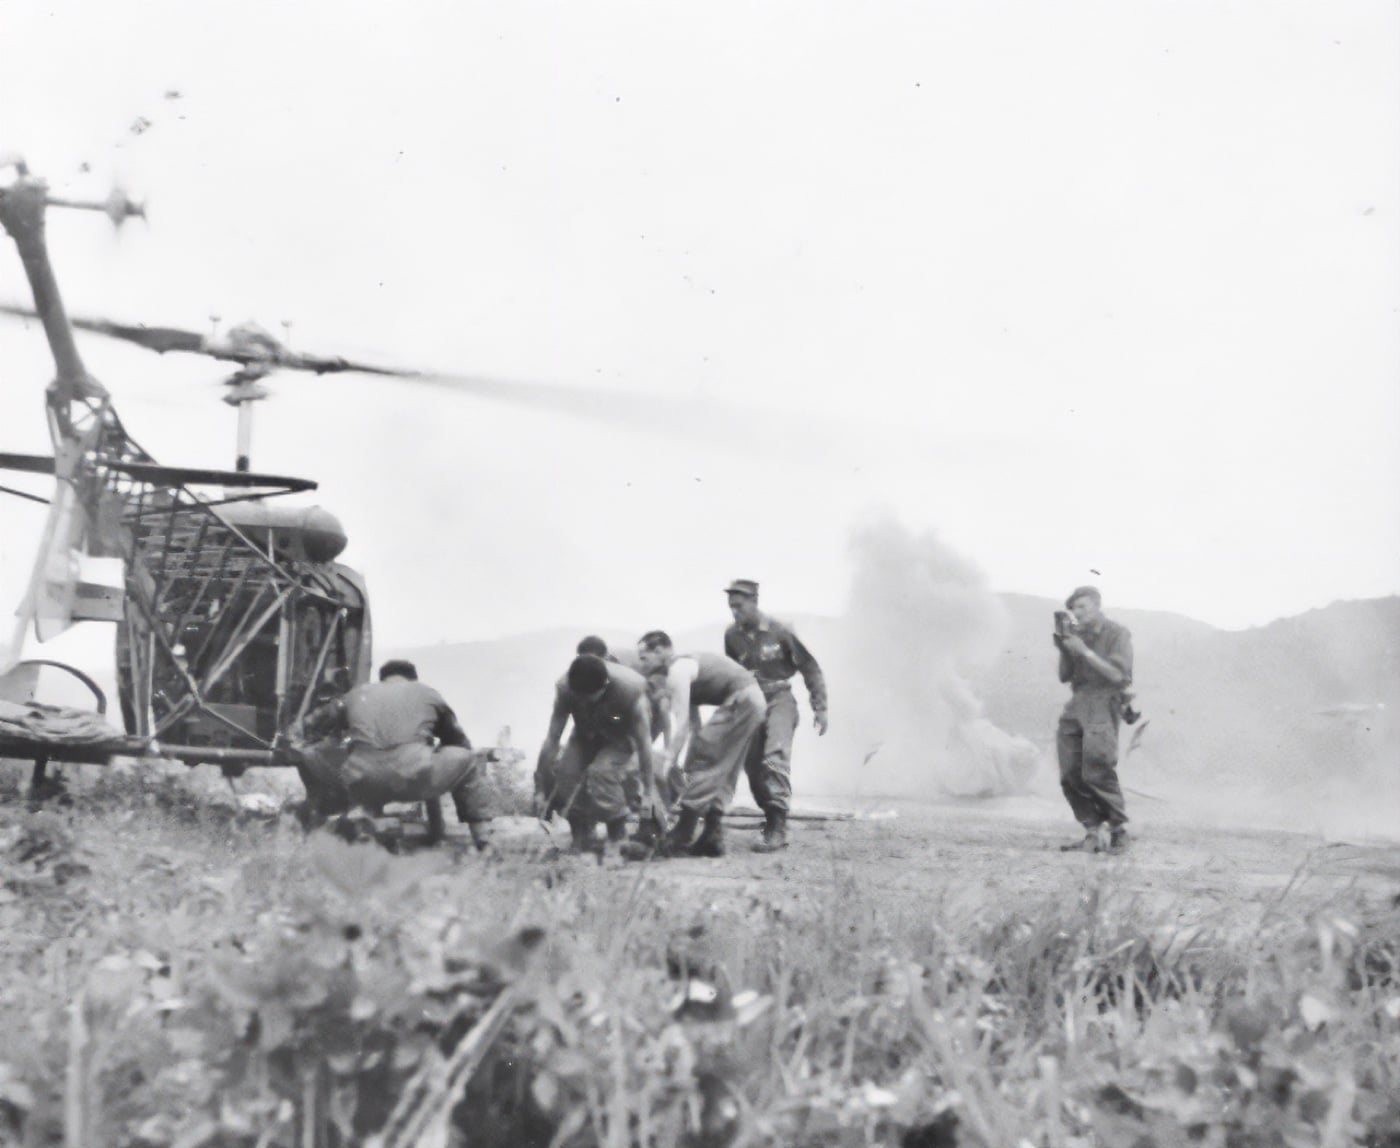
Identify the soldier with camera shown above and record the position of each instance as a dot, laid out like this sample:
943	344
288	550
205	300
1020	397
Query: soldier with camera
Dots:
1096	659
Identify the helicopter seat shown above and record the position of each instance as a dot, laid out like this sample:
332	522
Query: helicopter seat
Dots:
35	731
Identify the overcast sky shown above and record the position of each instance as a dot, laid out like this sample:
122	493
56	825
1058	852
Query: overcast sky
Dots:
1100	291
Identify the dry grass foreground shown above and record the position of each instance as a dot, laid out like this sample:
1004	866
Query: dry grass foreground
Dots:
175	974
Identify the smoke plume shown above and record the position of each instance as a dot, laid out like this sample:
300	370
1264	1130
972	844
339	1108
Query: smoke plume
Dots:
920	620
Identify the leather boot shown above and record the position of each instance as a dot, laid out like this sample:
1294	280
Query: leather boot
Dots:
617	829
774	833
581	829
710	843
649	841
678	839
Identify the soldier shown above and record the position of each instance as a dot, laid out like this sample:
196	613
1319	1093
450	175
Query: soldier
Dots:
588	781
717	748
592	644
773	652
392	725
1096	659
670	784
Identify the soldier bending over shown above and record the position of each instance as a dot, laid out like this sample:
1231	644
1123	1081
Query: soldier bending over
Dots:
718	747
587	782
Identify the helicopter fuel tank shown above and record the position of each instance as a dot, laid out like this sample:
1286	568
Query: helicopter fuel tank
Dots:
301	533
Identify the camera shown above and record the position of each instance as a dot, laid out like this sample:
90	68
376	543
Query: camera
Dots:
1065	625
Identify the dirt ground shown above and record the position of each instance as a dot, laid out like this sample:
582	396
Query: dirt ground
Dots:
911	853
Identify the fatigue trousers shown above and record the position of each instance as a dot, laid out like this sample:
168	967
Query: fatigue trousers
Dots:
594	780
1087	745
337	779
768	763
719	749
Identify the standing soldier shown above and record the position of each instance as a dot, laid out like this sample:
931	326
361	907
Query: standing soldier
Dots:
1096	659
773	652
612	729
717	747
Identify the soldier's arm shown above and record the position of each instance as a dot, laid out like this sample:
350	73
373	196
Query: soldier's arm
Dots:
678	680
550	749
448	729
811	672
1120	655
641	739
323	721
1108	668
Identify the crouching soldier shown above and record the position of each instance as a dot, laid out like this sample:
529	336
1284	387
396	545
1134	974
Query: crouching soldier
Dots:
405	745
588	781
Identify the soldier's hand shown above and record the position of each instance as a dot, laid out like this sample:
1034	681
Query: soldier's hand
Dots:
819	720
1073	644
675	778
653	809
539	805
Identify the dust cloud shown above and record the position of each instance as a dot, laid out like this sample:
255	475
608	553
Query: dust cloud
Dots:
921	620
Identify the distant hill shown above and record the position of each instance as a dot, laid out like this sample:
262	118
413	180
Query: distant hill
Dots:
1302	708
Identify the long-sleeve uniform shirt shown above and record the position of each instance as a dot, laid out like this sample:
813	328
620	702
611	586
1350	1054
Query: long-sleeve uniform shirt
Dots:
774	654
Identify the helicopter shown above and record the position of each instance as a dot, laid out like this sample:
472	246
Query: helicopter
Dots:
233	618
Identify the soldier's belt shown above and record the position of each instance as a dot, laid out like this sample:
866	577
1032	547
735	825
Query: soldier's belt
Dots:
774	686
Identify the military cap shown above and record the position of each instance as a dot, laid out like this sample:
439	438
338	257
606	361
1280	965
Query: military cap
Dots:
742	586
1083	592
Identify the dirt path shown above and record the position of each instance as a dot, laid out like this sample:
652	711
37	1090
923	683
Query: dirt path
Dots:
933	851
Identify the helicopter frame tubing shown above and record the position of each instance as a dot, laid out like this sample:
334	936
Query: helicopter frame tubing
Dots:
229	624
224	641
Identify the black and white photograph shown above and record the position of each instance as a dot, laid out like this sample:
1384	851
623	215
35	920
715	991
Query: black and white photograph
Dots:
607	574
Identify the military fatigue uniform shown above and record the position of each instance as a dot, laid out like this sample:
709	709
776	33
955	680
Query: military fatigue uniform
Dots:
774	654
719	747
392	728
1087	738
597	767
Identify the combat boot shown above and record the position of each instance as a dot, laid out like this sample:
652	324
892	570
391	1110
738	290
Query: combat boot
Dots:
678	839
774	832
649	841
617	829
582	829
710	843
1094	841
481	834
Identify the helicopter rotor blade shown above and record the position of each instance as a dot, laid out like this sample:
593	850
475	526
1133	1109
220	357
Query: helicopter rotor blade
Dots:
329	365
258	349
702	420
160	339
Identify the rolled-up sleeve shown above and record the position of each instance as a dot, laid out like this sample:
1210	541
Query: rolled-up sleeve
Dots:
1120	653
